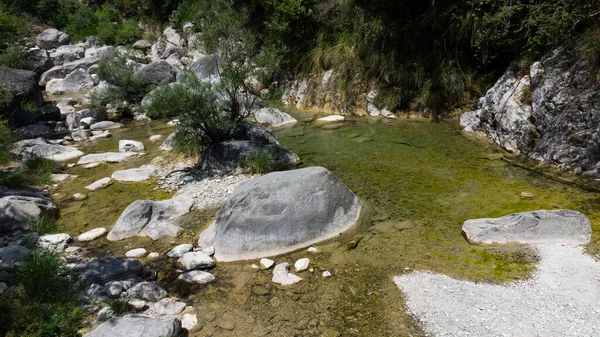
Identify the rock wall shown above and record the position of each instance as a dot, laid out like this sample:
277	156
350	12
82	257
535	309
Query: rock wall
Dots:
551	114
325	92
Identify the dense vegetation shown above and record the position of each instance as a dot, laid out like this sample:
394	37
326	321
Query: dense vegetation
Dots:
422	54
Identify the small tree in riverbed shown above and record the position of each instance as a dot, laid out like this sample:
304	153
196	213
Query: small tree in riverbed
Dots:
203	113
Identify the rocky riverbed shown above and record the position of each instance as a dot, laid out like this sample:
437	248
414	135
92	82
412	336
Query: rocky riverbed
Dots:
410	220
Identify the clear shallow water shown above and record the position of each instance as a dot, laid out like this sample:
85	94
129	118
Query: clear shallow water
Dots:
419	182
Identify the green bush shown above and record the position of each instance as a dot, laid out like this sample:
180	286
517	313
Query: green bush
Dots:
14	57
203	115
82	23
112	29
127	85
43	226
261	162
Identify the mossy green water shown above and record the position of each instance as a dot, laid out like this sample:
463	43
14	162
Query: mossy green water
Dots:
103	207
418	180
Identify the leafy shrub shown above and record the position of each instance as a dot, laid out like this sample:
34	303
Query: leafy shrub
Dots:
127	85
36	319
82	23
204	118
43	226
261	162
14	57
112	29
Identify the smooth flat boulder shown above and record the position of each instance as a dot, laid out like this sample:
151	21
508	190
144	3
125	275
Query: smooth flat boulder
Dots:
166	308
99	184
281	212
104	270
273	117
134	175
197	276
153	219
16	211
105	125
39	147
107	157
138	326
92	234
537	227
332	118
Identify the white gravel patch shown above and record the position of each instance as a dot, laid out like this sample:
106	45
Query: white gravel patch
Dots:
561	299
207	192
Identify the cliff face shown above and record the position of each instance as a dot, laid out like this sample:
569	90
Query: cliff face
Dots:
325	92
551	114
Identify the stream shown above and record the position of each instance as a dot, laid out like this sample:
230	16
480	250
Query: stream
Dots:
418	180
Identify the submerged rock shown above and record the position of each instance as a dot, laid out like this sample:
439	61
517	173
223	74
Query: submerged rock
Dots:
281	212
107	157
538	227
138	326
106	269
99	184
136	174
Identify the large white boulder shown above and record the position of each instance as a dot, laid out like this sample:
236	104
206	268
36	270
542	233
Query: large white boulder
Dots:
273	117
281	212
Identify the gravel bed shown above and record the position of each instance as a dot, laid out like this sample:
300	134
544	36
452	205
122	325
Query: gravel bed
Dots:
561	299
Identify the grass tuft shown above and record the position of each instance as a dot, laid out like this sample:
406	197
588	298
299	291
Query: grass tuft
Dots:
119	306
43	226
261	162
